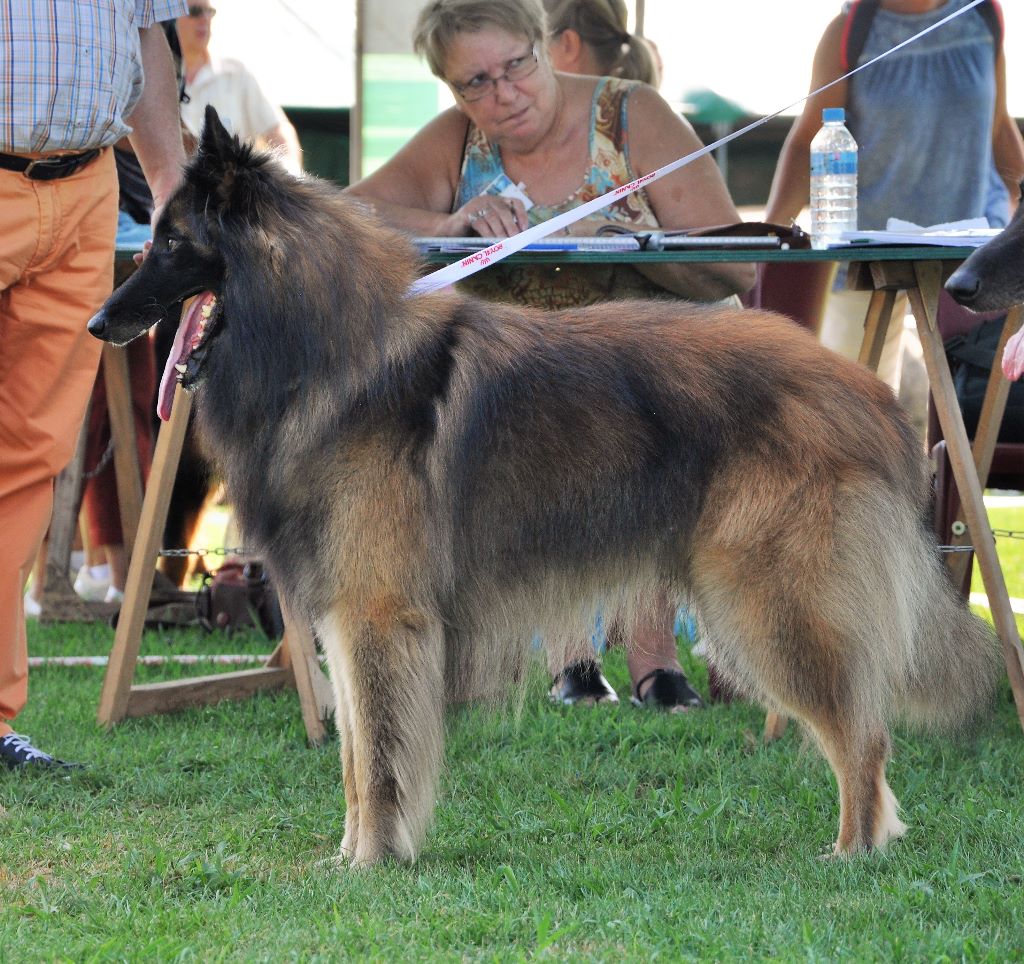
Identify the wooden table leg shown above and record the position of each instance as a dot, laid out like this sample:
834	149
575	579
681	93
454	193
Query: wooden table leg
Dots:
117	382
876	326
924	301
139	585
316	698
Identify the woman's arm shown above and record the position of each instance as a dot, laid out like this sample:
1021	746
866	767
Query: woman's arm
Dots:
1007	143
792	182
695	196
156	128
416	188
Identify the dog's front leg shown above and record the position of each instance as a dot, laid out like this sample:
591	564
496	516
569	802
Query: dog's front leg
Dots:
343	719
389	664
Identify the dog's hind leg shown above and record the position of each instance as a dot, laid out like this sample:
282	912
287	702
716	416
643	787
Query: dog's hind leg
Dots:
804	664
868	810
804	676
389	660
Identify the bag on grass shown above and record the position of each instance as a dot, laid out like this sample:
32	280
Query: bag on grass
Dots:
239	595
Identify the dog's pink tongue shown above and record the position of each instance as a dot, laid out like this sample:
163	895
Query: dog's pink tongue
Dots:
180	350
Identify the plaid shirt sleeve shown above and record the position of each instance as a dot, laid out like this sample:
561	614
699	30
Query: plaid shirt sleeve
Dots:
148	12
71	71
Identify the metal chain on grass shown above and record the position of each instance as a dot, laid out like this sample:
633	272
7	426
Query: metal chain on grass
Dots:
181	553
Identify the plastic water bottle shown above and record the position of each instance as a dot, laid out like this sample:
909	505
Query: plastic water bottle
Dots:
833	179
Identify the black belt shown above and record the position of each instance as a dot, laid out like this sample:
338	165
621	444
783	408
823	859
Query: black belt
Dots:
48	168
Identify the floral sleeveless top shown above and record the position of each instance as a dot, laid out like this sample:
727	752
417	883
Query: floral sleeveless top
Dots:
565	286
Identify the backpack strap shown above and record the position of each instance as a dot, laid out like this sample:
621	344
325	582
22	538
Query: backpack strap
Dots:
992	13
862	12
855	31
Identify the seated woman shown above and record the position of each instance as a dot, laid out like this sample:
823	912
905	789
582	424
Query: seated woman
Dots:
551	141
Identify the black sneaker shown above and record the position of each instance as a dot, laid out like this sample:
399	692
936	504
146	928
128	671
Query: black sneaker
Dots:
17	751
582	682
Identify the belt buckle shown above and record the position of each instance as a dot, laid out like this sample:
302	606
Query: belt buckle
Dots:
53	168
45	165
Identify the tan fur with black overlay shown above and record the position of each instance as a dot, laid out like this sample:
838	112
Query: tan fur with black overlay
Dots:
436	481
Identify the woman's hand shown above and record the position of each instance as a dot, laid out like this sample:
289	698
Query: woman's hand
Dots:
493	216
1013	356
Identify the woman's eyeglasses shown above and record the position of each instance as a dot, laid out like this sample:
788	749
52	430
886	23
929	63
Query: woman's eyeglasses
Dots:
480	86
197	11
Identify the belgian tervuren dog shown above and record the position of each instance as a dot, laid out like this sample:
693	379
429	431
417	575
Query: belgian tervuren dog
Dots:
437	480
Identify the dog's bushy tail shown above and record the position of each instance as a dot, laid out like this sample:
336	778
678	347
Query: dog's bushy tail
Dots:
956	655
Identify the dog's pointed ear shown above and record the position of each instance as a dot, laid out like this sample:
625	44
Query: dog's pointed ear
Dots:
222	166
216	142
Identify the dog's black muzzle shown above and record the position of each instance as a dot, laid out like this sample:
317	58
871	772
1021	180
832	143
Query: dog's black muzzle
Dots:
964	285
105	326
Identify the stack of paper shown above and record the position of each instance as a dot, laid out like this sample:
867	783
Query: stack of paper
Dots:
970	233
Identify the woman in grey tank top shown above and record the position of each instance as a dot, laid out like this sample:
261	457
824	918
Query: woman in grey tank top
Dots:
936	142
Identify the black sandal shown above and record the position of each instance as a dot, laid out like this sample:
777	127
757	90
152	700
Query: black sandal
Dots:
582	682
669	689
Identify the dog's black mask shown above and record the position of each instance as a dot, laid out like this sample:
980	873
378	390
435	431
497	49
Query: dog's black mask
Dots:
184	261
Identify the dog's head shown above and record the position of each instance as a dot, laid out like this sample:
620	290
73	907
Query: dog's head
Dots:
186	260
992	278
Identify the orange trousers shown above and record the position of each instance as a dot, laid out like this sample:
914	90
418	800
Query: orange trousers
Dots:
56	269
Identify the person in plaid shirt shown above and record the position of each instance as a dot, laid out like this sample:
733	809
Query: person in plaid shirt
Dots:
71	84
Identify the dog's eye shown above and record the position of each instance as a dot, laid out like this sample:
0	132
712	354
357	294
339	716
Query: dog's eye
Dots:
172	243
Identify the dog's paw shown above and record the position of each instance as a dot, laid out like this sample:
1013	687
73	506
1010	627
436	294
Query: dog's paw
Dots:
345	860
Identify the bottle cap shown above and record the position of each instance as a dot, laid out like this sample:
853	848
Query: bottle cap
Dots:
833	114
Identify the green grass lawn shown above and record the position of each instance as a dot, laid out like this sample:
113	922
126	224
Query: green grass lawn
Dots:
1007	518
605	834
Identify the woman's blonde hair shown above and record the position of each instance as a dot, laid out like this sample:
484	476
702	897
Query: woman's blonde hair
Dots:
601	25
441	20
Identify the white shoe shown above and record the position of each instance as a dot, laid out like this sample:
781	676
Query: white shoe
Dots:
92	583
32	608
114	595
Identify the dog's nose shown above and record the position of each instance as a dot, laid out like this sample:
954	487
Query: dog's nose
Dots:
97	324
963	285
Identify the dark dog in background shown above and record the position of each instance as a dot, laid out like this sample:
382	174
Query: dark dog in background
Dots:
992	278
436	480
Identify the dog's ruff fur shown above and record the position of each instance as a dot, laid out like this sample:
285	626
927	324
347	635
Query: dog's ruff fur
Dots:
435	481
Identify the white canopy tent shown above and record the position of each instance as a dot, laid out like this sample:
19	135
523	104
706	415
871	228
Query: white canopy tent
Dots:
758	54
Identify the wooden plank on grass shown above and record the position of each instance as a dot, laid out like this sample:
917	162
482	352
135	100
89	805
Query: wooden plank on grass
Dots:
174	695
